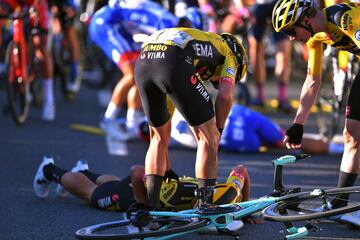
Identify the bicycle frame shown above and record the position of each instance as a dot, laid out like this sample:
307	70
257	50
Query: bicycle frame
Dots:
19	51
221	220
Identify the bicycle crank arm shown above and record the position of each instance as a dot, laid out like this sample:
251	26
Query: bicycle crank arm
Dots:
296	232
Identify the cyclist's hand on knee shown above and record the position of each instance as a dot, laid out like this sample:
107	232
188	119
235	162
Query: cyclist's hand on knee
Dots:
294	136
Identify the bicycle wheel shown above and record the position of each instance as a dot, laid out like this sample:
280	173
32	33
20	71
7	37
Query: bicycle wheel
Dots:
309	205
330	112
123	229
63	66
17	86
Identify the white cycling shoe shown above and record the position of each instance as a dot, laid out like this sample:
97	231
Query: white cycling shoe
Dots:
80	165
41	184
113	129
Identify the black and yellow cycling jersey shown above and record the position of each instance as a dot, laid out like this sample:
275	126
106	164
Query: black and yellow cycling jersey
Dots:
174	63
179	194
174	194
212	57
343	33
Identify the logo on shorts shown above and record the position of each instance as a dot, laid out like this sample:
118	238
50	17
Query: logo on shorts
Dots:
357	35
230	71
143	55
193	80
115	198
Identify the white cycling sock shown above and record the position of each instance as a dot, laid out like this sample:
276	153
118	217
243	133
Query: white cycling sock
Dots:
133	118
112	111
48	85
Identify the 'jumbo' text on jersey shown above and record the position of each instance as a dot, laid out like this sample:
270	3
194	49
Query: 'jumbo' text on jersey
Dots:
212	57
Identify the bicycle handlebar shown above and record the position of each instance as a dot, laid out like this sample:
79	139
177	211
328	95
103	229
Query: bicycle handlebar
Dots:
288	159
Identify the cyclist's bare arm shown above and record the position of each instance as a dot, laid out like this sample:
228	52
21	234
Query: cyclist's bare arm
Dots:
312	82
223	102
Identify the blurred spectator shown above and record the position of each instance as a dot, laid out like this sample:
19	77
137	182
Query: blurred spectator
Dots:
262	14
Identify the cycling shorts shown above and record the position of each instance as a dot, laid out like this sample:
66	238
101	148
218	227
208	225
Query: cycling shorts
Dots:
168	71
262	13
41	7
108	33
113	195
353	105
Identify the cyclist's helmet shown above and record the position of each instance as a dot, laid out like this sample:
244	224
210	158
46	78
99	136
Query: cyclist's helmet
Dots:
198	19
239	52
287	12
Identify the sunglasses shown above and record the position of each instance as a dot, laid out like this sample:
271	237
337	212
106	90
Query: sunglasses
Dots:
291	32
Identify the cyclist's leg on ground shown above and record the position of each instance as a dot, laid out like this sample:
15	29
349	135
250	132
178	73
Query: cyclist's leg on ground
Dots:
314	144
240	172
79	185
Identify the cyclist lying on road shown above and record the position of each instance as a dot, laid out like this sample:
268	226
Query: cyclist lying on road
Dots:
108	192
247	131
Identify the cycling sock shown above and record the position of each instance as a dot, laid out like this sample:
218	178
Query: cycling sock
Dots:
112	111
283	89
260	91
90	175
153	185
48	90
133	118
345	180
207	194
53	173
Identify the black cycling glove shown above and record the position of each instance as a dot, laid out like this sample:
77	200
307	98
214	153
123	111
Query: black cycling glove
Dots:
295	133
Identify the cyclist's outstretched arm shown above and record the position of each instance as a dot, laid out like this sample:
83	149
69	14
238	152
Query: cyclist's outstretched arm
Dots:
308	93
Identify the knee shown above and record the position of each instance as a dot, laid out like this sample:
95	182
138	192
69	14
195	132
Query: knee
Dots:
351	137
210	142
240	169
137	172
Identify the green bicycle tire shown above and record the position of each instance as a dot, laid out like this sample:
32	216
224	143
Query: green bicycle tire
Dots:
96	231
279	211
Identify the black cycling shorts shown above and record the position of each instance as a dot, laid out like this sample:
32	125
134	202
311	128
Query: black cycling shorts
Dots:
169	70
113	195
353	105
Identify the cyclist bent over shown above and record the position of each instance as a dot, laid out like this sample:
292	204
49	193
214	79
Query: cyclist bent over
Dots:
338	26
173	63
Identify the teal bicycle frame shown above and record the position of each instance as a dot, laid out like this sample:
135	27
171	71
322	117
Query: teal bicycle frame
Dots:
242	209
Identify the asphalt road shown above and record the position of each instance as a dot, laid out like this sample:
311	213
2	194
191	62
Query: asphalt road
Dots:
24	216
